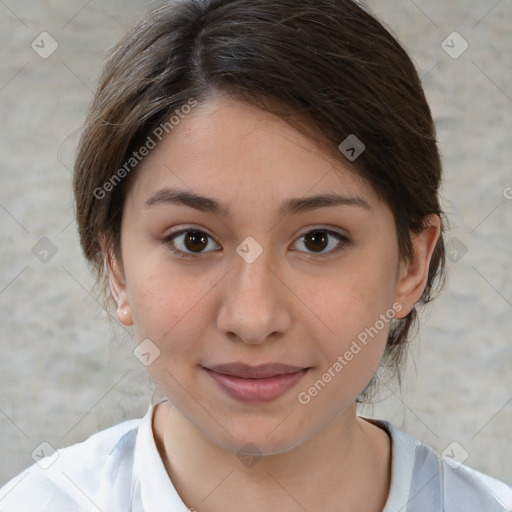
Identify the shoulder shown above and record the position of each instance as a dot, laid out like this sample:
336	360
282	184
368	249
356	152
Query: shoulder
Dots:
448	485
472	490
67	479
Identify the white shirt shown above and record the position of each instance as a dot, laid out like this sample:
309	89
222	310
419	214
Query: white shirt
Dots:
120	470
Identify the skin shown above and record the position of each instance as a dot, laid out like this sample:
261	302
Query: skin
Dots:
297	303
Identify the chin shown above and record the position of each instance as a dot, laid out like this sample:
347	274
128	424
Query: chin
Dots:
260	437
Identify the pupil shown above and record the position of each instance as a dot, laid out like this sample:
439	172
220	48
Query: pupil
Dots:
195	237
319	239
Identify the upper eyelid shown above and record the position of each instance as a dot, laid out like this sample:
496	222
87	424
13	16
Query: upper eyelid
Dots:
181	231
302	233
342	238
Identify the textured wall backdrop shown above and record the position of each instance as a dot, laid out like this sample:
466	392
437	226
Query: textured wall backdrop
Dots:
66	373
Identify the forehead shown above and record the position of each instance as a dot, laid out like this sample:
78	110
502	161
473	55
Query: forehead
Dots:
225	147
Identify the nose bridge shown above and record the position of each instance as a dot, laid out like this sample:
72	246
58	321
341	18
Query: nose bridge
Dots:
253	306
253	273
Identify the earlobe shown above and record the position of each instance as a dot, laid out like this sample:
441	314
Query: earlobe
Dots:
118	288
413	275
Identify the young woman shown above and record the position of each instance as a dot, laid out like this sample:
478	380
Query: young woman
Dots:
257	187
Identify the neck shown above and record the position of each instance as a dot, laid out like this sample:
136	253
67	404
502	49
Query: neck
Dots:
346	464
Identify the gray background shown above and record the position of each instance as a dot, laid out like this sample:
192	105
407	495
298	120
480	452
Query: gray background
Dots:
66	372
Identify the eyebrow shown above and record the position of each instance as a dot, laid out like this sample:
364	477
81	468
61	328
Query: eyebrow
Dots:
289	206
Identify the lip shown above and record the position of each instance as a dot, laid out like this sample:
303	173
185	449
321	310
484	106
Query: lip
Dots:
262	383
261	371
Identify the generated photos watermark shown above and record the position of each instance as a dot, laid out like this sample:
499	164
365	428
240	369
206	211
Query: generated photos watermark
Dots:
144	150
304	397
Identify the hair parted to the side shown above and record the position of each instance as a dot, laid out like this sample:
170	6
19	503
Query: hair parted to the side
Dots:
327	67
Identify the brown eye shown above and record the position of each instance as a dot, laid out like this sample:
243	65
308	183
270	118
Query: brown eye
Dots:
318	240
188	243
196	240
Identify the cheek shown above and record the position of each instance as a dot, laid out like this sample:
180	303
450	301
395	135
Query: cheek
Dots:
351	299
169	308
167	304
350	340
349	330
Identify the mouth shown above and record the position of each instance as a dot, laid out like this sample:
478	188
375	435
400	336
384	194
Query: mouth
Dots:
262	383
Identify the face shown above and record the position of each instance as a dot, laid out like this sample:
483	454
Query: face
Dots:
258	274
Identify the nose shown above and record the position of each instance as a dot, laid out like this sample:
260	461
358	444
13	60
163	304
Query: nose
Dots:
256	301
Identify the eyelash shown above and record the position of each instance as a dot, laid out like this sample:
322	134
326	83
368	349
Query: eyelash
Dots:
343	241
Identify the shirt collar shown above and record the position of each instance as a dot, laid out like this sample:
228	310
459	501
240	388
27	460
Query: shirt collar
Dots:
403	448
157	491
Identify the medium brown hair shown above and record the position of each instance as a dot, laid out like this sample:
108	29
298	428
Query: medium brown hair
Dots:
327	67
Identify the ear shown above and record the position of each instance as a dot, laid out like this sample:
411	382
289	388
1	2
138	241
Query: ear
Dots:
117	285
413	275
